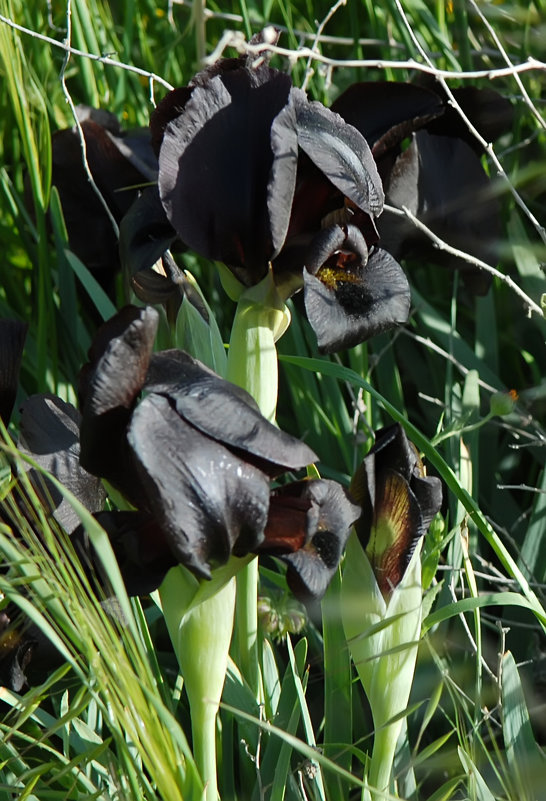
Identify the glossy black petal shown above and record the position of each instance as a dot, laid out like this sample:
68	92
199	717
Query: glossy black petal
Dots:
336	148
12	342
207	501
225	412
49	433
307	528
110	387
387	109
214	167
350	298
442	181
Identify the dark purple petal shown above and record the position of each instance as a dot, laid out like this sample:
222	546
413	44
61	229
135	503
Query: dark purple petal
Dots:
397	513
487	110
144	236
307	528
215	162
119	362
340	151
49	433
453	196
207	501
378	107
284	144
225	412
350	298
397	500
12	342
119	164
170	107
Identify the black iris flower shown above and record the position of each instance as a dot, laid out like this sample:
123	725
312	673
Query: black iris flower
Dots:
398	503
252	173
121	162
195	459
430	162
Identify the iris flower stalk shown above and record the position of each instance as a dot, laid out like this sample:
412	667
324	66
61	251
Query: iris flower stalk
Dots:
260	320
382	591
201	622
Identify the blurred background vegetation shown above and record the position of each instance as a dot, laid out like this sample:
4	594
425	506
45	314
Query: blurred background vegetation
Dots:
476	722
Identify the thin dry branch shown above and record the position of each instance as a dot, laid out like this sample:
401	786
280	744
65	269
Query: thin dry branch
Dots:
461	254
237	41
73	51
487	146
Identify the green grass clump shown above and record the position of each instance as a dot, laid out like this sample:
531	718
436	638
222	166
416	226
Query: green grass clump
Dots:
110	720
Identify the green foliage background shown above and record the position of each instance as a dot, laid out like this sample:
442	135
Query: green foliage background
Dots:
112	722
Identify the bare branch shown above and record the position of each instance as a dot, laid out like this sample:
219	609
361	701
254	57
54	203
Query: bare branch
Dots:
73	51
460	254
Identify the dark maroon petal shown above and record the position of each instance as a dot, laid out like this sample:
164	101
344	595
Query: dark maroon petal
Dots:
346	309
377	107
340	151
207	501
487	110
49	433
315	517
429	493
397	512
392	449
284	143
12	342
225	413
329	241
142	552
391	484
170	107
215	162
119	164
120	357
454	197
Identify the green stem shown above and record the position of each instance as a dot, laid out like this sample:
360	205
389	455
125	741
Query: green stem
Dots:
200	626
203	727
384	747
261	318
246	613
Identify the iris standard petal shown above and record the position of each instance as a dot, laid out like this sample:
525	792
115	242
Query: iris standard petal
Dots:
450	193
214	168
109	389
387	109
338	150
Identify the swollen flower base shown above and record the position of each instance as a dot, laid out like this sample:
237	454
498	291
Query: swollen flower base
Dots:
381	590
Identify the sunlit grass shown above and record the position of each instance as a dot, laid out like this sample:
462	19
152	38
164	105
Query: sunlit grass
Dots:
112	721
